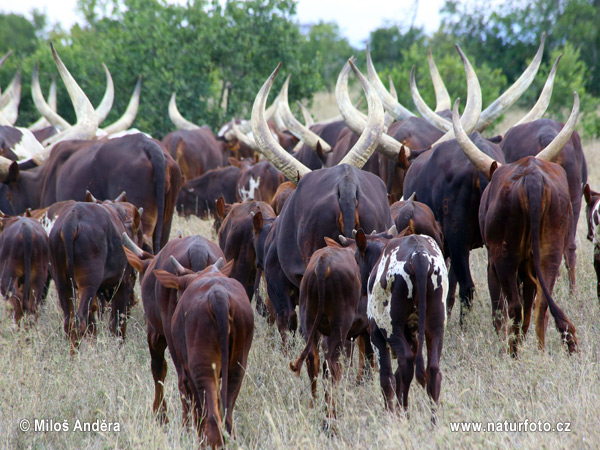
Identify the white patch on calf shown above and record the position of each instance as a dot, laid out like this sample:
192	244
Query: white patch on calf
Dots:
249	194
596	227
439	276
380	300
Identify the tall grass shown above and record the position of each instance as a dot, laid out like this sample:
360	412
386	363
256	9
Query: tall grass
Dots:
108	380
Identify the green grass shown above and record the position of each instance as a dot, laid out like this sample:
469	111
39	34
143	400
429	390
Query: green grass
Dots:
111	381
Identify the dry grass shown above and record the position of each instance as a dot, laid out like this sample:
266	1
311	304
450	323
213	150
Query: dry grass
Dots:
111	381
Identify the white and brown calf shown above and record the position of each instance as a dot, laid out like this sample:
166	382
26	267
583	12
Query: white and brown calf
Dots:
592	214
407	289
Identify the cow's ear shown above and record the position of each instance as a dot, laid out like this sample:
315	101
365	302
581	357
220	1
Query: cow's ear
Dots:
167	279
392	199
256	157
221	207
587	193
361	240
331	243
257	222
139	263
227	268
403	159
13	173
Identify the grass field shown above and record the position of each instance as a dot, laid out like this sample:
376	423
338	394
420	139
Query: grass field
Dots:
107	381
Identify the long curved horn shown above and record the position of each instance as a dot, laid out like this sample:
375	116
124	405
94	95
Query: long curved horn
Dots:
555	147
389	119
42	122
356	121
295	127
11	98
480	160
442	98
243	138
427	113
44	108
87	123
105	105
473	106
177	118
308	120
128	116
369	139
282	160
541	105
392	106
512	94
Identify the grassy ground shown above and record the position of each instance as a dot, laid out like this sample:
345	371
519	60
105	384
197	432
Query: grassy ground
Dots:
110	381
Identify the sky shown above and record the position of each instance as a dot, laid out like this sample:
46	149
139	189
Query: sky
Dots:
356	18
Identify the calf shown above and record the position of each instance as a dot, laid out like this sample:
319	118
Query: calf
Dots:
88	262
192	252
407	283
212	326
423	221
592	214
258	181
25	263
329	300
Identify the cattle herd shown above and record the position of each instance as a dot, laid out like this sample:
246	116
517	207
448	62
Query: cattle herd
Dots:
308	211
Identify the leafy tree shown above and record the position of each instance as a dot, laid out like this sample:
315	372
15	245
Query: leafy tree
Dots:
388	44
17	34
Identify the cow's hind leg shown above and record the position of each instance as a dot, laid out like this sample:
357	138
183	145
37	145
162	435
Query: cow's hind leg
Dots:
386	374
157	345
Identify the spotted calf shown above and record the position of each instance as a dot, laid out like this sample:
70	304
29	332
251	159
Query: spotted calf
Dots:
592	214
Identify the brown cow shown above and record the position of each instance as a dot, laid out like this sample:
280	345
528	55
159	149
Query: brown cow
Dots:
192	252
213	326
329	300
88	261
25	265
258	180
525	218
423	220
195	151
281	195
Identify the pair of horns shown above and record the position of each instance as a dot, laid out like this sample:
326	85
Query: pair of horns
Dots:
287	164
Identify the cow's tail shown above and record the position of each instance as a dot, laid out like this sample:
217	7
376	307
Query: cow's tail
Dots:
28	256
421	267
159	168
535	194
347	198
321	274
69	231
219	303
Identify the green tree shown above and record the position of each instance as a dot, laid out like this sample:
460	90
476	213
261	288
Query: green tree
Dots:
388	44
17	34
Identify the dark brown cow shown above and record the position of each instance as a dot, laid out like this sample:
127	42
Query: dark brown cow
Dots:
592	215
195	151
419	217
192	252
407	283
25	265
237	242
133	163
88	261
329	300
525	217
199	196
259	182
528	140
213	326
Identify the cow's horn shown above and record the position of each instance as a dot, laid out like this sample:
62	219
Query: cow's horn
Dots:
398	111
44	108
512	94
178	267
555	147
308	120
428	114
177	118
442	98
105	105
282	160
356	120
129	116
9	101
129	244
473	106
294	126
369	139
220	263
480	160
243	138
541	105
